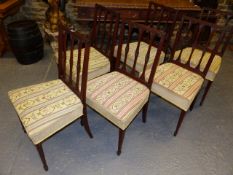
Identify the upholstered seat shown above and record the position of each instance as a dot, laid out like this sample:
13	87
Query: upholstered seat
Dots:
224	22
176	84
142	54
120	95
98	63
180	80
196	56
45	108
117	97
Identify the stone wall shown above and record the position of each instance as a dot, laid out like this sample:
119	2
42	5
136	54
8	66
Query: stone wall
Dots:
31	9
34	9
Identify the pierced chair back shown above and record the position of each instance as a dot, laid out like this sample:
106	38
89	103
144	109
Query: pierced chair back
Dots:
191	29
73	68
105	29
120	95
46	108
99	50
163	18
180	80
223	19
136	33
219	17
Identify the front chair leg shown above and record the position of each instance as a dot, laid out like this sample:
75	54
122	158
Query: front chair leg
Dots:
42	157
182	114
144	112
23	127
209	83
81	122
84	122
120	140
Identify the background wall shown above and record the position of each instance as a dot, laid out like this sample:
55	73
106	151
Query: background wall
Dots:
35	9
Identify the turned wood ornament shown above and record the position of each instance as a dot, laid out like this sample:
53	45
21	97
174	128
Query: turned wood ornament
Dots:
54	15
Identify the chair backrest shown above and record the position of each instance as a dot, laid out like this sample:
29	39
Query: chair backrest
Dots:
224	19
219	17
191	29
163	18
136	33
68	41
105	30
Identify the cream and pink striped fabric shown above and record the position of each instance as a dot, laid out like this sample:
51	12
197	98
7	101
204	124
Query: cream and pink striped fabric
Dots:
117	97
176	84
45	108
98	63
195	59
142	54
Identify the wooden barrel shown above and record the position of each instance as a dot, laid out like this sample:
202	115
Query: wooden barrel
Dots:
26	41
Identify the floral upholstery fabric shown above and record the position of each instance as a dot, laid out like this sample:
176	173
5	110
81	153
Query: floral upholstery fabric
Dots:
98	63
141	56
117	97
197	54
45	108
176	84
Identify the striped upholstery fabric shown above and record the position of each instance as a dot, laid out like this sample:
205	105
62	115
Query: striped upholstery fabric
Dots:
214	67
98	64
45	108
141	58
117	97
176	84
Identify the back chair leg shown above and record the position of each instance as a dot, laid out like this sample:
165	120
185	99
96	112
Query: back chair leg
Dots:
42	157
182	114
193	103
144	112
209	83
84	122
120	140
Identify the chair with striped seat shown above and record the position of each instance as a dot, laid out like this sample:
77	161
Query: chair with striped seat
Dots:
103	38
180	80
120	95
46	108
141	57
224	20
159	17
163	18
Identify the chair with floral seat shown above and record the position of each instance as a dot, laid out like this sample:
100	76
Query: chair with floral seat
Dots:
103	38
46	108
223	19
120	95
180	80
159	17
163	18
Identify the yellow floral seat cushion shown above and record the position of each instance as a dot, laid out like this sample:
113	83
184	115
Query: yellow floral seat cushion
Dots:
45	108
141	56
117	97
98	63
176	84
197	54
